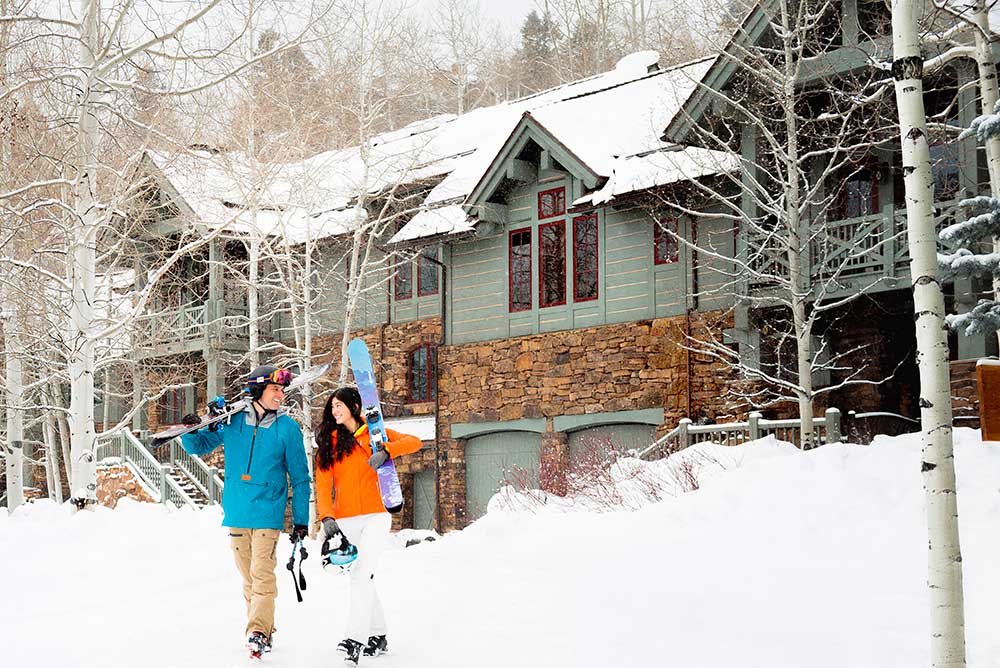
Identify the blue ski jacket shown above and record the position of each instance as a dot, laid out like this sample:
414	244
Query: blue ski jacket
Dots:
261	459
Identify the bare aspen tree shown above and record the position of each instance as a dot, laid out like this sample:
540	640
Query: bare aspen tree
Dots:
95	46
944	563
794	142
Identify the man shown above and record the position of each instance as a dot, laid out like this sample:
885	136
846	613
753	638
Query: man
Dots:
263	451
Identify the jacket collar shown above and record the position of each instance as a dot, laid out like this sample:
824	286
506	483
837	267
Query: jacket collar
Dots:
251	415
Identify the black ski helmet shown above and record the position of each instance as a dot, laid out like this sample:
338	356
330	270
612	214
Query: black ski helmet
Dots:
266	375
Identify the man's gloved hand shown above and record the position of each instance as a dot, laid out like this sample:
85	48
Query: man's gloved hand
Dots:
190	419
378	457
330	527
299	532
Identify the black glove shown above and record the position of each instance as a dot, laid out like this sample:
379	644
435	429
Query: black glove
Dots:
299	532
330	527
378	457
191	419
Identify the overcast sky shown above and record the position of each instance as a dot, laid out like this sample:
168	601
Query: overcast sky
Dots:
510	13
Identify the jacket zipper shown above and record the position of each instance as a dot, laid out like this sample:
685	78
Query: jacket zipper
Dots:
253	439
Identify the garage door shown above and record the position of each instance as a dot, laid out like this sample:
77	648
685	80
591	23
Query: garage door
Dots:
489	458
598	442
423	499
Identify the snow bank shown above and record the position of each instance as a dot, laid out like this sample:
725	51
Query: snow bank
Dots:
781	559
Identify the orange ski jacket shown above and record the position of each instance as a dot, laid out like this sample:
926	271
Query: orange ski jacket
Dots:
356	483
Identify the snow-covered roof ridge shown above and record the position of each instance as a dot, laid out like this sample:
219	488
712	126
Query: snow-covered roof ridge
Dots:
627	104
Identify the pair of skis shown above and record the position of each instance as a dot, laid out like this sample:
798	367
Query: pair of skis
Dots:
371	409
220	410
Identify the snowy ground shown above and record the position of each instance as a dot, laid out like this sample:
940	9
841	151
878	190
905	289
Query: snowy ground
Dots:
784	559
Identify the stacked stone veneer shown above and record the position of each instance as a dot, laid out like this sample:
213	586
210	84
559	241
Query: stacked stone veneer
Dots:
117	482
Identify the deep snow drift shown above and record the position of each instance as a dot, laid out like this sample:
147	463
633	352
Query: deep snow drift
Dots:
780	559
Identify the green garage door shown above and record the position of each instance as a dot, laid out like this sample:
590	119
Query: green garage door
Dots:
489	458
423	499
596	442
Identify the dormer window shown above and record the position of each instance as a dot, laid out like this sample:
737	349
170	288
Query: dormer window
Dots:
551	203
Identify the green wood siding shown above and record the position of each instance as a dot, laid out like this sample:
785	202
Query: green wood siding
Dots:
586	445
489	458
417	307
424	499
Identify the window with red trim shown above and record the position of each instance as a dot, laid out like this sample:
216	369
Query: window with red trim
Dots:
585	257
552	264
427	272
665	246
421	382
519	262
551	203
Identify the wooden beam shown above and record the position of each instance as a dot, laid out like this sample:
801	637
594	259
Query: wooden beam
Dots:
493	213
521	171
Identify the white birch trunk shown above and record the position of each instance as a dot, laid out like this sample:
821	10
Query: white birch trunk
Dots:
307	431
82	272
798	282
944	564
253	308
15	418
52	447
62	429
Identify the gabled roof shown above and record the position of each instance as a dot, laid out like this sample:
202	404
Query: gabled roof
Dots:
750	31
600	120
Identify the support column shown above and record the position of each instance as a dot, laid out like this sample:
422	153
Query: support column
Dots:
554	461
215	310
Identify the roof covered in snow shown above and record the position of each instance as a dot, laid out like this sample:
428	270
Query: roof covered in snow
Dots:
603	119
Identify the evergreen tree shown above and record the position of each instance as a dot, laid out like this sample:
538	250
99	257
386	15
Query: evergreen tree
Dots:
537	53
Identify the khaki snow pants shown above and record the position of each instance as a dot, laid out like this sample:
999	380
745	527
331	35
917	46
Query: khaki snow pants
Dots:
254	550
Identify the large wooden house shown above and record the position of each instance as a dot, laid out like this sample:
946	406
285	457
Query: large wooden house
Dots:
544	307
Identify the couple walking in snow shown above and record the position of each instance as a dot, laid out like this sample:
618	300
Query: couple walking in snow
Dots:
264	452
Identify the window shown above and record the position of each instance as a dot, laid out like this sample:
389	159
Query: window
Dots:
551	203
665	248
858	194
172	406
552	264
404	280
520	270
585	257
422	385
427	272
944	166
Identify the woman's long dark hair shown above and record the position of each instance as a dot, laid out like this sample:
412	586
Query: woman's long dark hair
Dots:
329	430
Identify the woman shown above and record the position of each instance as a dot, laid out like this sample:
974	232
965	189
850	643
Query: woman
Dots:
348	501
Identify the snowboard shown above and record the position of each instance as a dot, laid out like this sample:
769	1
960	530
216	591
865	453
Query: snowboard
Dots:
364	378
219	410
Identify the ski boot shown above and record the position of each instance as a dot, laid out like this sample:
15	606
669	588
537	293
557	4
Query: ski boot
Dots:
257	644
353	652
376	645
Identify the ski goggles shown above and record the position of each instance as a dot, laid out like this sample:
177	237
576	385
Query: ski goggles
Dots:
278	377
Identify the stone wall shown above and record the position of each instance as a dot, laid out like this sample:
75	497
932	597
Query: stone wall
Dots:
611	368
964	394
117	482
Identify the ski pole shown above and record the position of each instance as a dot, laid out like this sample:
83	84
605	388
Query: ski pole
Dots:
300	582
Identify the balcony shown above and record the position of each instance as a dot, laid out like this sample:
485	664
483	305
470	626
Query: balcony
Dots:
191	329
868	253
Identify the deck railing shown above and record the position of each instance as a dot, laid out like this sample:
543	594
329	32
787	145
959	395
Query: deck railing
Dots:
686	433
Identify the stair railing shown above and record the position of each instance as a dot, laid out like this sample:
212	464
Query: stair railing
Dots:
153	475
206	478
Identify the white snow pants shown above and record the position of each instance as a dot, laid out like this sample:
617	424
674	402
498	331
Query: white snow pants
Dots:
370	534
